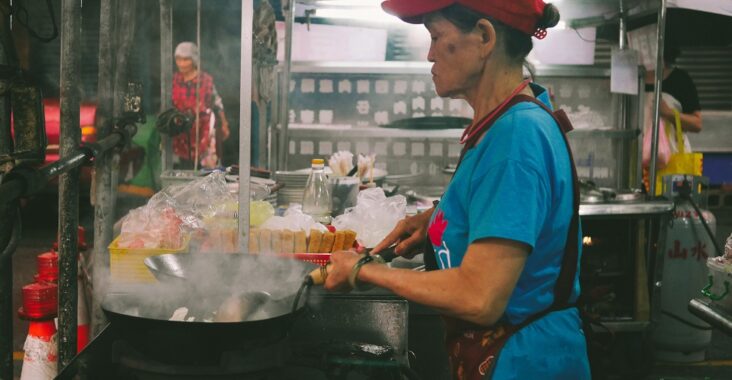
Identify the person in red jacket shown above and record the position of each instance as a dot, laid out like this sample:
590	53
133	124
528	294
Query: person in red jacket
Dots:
210	109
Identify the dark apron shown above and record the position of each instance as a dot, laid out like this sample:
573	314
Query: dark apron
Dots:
473	349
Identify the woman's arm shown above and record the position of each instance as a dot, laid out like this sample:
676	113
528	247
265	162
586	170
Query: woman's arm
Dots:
690	122
477	291
224	124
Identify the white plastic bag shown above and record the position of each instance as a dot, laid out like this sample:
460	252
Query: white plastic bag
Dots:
294	220
374	216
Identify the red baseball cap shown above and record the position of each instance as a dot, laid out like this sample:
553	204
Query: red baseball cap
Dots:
522	15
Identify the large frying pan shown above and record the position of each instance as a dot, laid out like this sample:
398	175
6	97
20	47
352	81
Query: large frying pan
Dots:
266	287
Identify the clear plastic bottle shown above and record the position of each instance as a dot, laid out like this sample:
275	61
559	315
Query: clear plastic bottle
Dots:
316	200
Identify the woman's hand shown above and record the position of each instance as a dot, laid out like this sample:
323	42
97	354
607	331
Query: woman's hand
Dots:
666	111
341	265
225	129
410	233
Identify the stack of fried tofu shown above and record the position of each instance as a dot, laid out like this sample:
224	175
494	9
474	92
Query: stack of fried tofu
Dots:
286	241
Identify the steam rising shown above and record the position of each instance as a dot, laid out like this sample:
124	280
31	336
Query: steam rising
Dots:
212	279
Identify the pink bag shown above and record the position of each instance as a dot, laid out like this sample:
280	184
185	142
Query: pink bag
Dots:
664	148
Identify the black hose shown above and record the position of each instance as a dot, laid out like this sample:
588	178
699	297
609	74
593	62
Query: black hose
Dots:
706	227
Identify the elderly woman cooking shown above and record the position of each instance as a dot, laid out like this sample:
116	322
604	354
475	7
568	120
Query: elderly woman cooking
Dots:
505	235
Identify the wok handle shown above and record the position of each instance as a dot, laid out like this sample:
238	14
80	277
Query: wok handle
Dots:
319	275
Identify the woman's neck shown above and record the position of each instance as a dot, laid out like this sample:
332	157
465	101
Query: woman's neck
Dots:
190	75
493	88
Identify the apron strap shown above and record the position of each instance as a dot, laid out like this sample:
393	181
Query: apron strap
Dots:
565	281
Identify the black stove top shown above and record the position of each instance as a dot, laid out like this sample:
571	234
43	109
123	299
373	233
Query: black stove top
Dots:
321	345
115	358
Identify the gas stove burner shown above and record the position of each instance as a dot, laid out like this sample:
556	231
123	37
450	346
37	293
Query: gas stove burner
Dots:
262	363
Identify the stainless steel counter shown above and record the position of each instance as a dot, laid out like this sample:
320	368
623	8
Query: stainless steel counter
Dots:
626	209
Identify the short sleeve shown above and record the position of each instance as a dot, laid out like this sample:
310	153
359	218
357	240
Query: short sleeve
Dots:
690	96
509	200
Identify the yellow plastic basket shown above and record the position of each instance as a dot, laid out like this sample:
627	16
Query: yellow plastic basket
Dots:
127	265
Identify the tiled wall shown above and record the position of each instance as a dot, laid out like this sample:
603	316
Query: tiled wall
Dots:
330	112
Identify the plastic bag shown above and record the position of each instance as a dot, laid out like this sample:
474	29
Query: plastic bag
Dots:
374	216
200	205
150	228
664	149
294	220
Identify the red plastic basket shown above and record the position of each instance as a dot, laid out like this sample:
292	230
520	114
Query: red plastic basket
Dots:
315	258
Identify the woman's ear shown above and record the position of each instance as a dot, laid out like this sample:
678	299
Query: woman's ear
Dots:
487	35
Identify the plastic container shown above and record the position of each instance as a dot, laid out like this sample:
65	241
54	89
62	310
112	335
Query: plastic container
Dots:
317	200
127	265
720	283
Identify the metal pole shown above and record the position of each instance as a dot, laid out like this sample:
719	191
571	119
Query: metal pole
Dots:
283	143
10	222
7	57
661	31
245	120
68	221
102	197
166	75
199	71
622	40
622	180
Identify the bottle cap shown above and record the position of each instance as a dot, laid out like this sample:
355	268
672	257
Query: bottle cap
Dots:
318	161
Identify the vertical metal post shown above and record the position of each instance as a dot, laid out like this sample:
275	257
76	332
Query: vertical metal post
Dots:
9	224
624	162
102	196
622	39
283	141
8	56
166	74
245	120
7	215
69	183
660	38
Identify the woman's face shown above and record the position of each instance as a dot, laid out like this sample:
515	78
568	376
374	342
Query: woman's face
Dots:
185	65
456	58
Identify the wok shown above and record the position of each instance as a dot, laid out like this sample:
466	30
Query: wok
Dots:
267	286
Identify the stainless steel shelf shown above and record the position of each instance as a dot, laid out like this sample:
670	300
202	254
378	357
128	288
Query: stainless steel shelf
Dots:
626	209
623	326
434	133
424	67
609	133
375	132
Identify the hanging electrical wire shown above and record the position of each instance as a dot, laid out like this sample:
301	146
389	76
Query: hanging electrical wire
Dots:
20	15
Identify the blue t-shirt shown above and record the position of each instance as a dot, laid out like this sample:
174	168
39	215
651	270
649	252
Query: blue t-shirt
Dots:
517	184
